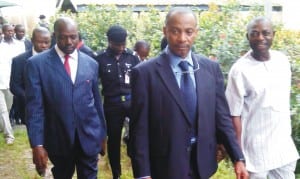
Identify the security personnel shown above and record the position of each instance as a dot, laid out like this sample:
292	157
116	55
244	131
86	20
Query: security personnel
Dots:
115	64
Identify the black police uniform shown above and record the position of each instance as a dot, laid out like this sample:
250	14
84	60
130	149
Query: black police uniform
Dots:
114	75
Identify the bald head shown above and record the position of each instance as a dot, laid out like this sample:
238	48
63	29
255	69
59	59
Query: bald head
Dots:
62	22
179	11
66	34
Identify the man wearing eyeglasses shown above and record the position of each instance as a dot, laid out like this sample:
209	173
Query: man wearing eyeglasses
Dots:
179	110
258	92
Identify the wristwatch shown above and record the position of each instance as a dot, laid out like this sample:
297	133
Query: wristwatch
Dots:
240	160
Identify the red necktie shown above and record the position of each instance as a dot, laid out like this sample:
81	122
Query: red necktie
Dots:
66	64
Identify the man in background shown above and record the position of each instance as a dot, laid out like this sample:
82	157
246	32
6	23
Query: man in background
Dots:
20	34
43	21
9	48
41	40
142	49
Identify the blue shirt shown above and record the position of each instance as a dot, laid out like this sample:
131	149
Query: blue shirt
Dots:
175	60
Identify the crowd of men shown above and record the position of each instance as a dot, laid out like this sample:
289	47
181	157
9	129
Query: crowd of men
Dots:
175	103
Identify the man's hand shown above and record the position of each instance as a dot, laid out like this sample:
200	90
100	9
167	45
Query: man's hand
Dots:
40	159
103	147
221	152
240	170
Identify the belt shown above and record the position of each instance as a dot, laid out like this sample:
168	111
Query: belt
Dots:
117	99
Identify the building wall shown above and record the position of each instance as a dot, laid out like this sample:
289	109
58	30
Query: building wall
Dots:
291	13
28	11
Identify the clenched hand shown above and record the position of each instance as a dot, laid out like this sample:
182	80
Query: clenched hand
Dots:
40	159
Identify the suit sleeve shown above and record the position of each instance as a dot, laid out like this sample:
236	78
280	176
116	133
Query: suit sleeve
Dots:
16	79
35	114
225	131
98	104
139	134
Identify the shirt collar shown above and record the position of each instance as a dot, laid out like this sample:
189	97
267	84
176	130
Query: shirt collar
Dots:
9	42
22	40
34	52
175	60
61	54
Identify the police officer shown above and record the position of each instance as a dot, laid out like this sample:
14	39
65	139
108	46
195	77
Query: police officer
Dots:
115	64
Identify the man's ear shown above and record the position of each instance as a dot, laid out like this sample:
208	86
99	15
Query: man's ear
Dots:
247	36
164	30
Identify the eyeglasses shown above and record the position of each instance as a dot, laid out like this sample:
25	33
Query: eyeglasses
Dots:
264	33
189	71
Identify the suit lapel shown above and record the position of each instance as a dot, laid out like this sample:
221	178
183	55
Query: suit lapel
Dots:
55	62
167	76
201	79
81	69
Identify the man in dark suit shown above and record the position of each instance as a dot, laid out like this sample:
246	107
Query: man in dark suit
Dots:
64	113
171	134
41	39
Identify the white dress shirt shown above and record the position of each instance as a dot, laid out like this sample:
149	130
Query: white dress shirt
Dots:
259	92
8	51
73	61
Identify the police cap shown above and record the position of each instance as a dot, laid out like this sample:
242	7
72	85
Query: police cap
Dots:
117	34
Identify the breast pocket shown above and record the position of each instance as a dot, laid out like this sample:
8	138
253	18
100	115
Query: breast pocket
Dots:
84	91
108	71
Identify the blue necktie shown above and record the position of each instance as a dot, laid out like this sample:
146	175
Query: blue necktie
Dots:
188	91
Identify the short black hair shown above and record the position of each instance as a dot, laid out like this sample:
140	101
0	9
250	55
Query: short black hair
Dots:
42	16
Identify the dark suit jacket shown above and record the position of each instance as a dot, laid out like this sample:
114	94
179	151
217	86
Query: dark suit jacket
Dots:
87	50
28	44
160	129
56	108
17	80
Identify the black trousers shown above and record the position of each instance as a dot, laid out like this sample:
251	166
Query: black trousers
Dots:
115	114
64	166
194	173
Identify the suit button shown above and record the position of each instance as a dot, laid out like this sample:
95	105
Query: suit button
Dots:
188	149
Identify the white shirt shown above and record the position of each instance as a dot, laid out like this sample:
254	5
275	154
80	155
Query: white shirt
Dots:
259	92
7	52
73	61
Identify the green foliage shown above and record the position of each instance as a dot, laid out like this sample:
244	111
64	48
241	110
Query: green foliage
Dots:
289	42
95	21
225	170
